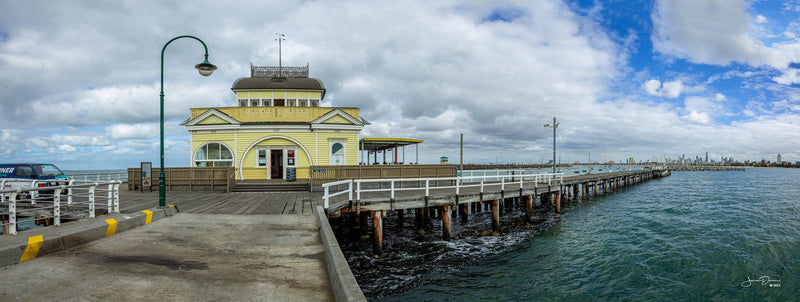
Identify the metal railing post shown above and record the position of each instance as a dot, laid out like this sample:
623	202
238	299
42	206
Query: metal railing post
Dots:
116	198
33	194
57	206
91	201
69	192
427	187
109	208
12	213
358	191
392	190
326	197
350	192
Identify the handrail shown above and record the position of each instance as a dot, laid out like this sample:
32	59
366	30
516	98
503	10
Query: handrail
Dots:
110	176
50	200
456	182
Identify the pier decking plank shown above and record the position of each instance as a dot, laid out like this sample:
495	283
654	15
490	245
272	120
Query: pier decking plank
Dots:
205	202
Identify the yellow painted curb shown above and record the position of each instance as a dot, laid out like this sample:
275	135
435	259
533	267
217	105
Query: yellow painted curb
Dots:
149	216
112	227
34	244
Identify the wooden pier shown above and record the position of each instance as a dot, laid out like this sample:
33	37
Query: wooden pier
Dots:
446	197
706	168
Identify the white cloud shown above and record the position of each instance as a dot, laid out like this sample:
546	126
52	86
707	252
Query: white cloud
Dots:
67	148
788	77
760	19
715	32
652	87
133	131
695	117
671	89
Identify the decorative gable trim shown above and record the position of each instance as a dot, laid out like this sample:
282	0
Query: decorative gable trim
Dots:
224	118
338	112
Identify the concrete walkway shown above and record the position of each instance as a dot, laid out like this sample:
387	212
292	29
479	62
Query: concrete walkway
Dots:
188	257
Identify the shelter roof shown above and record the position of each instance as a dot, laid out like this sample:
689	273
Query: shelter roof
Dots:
382	143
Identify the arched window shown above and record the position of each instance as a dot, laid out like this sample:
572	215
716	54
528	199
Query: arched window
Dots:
337	154
213	155
337	149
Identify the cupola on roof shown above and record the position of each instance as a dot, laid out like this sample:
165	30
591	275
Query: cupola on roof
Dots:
278	78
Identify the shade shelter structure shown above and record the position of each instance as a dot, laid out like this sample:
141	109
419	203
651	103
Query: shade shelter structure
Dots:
372	145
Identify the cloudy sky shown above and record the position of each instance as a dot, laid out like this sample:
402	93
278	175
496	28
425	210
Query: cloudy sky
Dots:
79	80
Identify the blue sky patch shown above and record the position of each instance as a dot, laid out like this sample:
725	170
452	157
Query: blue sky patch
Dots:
505	14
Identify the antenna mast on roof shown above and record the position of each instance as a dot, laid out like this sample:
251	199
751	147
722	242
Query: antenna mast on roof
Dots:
280	66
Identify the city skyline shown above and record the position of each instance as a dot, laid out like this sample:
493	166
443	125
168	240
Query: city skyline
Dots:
641	79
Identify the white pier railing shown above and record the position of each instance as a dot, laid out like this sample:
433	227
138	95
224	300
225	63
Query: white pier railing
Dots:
359	186
75	199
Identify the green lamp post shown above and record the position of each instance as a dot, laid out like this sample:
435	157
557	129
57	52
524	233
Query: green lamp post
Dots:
205	69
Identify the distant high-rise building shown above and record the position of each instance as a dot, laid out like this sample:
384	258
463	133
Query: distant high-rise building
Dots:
779	159
706	156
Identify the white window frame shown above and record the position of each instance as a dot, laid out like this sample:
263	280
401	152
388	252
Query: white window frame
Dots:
232	160
331	142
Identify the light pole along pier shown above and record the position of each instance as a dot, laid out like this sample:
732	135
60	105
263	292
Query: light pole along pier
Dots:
205	69
358	200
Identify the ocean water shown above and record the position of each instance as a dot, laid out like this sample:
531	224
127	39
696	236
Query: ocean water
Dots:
692	236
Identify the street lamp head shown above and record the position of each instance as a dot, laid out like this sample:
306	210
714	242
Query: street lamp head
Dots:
205	69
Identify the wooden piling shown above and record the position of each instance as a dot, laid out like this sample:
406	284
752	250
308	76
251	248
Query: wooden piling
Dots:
528	199
377	231
585	191
464	213
575	191
363	224
495	217
446	222
558	203
419	218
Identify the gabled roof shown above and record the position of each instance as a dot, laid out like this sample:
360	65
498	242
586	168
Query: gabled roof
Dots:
206	119
329	118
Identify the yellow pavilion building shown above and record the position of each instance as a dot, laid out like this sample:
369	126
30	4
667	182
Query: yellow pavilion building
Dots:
277	129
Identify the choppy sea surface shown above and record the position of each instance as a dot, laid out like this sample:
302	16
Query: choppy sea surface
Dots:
692	236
